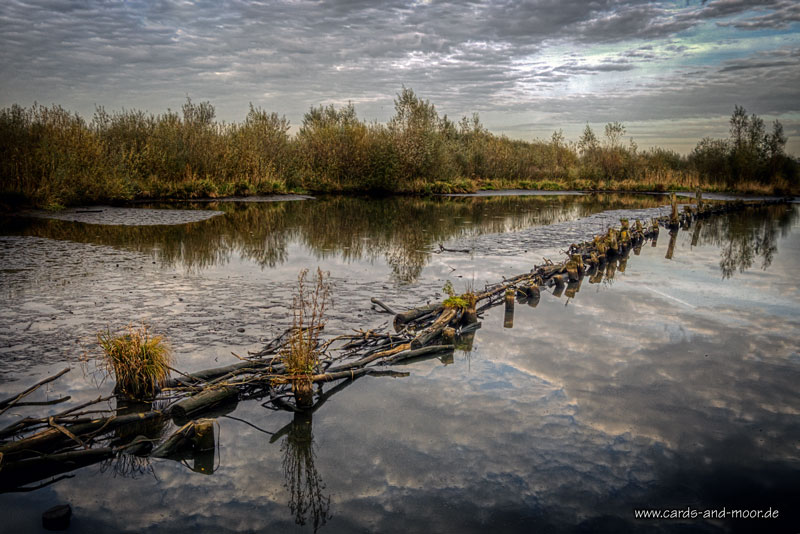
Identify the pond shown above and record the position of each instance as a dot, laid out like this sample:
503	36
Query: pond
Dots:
667	382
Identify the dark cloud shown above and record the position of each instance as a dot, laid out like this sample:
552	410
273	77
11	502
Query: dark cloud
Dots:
288	55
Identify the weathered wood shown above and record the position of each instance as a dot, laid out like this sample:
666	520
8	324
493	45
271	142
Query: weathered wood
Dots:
380	304
46	440
508	316
407	316
364	361
427	335
202	401
424	351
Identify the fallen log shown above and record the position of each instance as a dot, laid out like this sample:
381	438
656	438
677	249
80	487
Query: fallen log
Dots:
202	401
427	335
47	440
408	355
380	304
407	316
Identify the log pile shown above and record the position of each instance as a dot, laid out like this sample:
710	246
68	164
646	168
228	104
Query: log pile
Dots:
33	449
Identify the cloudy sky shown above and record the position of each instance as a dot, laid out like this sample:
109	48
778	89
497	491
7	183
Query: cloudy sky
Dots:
671	71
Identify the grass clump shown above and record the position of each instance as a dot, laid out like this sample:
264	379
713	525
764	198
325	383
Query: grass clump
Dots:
139	361
301	354
459	302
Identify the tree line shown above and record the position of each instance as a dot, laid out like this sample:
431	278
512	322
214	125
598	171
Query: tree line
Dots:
50	156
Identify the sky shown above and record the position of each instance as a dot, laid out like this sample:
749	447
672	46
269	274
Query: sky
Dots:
671	72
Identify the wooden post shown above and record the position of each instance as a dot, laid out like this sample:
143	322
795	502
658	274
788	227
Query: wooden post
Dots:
611	269
204	446
448	335
470	316
625	232
673	218
464	342
698	197
508	319
673	234
696	232
573	288
303	390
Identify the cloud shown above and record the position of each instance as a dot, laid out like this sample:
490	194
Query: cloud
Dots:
497	58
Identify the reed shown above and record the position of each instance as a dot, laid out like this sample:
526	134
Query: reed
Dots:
301	354
139	361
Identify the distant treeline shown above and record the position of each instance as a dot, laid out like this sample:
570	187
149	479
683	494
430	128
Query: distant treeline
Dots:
50	157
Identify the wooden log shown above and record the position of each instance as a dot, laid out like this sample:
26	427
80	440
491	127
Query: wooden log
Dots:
416	353
46	440
178	441
427	335
368	359
380	304
202	401
407	316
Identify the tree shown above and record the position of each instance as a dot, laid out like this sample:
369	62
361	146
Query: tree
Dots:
588	143
614	133
738	126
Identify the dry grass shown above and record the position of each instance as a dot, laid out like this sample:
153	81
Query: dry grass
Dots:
301	354
138	360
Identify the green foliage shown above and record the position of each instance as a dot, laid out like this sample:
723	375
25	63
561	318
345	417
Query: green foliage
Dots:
749	156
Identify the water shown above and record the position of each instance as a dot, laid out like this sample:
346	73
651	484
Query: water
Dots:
671	384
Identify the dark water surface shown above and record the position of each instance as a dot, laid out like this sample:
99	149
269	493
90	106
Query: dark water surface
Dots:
670	383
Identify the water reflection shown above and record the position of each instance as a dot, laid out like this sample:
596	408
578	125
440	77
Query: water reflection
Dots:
307	499
400	230
745	237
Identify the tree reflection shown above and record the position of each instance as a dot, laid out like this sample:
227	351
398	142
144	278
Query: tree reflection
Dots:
302	480
747	236
400	230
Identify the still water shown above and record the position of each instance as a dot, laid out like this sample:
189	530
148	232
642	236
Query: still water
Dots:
664	383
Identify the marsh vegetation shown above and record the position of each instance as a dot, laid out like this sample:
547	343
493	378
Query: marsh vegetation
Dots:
52	157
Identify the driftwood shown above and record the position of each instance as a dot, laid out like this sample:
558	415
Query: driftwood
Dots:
202	401
410	315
